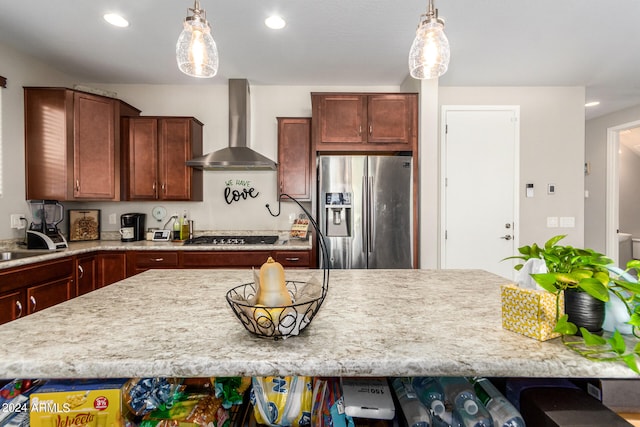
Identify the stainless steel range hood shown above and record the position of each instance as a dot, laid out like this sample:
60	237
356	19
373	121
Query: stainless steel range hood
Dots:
237	156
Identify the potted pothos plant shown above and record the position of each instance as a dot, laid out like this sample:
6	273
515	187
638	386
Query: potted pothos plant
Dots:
587	272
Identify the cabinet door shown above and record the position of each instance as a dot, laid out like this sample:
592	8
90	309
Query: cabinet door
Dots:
86	274
389	119
48	121
111	268
294	157
12	306
342	119
94	148
175	148
140	158
48	294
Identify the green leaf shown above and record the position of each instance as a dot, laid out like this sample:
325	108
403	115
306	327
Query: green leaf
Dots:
634	263
630	360
594	288
603	277
582	274
632	287
617	343
547	281
636	349
565	327
592	339
635	320
552	241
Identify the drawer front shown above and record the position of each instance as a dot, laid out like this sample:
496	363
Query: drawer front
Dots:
293	258
156	259
227	259
34	274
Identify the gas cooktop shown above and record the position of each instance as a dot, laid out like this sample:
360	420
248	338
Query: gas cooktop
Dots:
232	240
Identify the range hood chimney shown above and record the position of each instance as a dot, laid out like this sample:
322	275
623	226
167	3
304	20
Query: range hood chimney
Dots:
237	156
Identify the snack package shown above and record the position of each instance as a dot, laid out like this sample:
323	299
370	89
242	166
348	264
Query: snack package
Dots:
282	401
231	389
143	395
190	410
72	403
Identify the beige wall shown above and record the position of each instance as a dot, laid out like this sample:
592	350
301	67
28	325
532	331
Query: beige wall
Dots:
596	181
20	70
551	151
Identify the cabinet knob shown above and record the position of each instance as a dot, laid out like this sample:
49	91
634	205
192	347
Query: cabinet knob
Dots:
164	188
81	270
360	130
19	305
157	259
33	303
77	185
370	129
293	259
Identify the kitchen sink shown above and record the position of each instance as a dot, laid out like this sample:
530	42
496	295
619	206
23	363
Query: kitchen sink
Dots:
11	255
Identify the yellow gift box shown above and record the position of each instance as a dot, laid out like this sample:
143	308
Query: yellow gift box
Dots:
530	312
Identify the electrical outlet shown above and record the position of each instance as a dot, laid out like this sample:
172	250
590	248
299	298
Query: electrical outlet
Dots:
112	218
552	222
18	221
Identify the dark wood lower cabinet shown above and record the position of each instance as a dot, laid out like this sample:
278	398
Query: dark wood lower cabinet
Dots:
34	287
12	306
27	289
48	294
112	267
86	274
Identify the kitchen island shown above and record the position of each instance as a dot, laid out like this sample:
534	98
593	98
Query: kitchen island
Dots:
372	323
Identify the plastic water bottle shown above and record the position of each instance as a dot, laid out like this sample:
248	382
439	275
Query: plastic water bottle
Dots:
503	412
415	413
430	394
466	408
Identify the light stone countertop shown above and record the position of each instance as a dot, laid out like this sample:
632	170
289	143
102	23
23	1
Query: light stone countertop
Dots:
78	248
372	323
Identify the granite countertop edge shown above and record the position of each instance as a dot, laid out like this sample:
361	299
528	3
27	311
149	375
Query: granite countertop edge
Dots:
79	248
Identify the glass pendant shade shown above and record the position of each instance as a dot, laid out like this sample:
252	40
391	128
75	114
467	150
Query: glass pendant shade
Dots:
196	51
429	54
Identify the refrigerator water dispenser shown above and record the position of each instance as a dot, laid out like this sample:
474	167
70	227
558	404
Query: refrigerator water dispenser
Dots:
338	214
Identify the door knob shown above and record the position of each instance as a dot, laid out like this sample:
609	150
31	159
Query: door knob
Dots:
506	237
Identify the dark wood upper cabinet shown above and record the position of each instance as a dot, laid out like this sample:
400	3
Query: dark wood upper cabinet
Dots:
364	122
72	144
154	155
295	157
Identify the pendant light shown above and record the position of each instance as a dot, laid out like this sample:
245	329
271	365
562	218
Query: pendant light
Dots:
196	51
429	54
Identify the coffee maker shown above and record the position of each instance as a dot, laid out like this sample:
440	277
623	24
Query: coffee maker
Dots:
43	233
132	227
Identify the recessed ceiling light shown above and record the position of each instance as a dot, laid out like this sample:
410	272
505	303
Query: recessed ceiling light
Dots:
592	103
115	19
275	22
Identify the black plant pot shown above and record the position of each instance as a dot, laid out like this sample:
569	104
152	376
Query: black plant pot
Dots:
584	311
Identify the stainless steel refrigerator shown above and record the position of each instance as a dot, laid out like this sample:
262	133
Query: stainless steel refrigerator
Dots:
365	208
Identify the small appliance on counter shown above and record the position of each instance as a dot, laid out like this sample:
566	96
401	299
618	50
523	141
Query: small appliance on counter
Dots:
43	233
132	227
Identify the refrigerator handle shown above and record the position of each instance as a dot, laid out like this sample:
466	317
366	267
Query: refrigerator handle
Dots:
371	223
365	214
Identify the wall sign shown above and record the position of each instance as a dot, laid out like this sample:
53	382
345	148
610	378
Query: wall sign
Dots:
236	190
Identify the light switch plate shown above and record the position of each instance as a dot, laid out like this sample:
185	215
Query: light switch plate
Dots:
567	221
552	222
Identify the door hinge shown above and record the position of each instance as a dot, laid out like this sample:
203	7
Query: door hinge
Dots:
446	182
445	234
446	129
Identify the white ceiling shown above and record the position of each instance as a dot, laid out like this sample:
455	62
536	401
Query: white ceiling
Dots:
591	43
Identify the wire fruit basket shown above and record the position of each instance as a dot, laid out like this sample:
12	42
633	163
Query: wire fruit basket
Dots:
277	322
281	321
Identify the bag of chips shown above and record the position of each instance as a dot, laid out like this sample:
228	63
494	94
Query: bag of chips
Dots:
282	401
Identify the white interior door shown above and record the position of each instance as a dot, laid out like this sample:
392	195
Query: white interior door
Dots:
479	188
